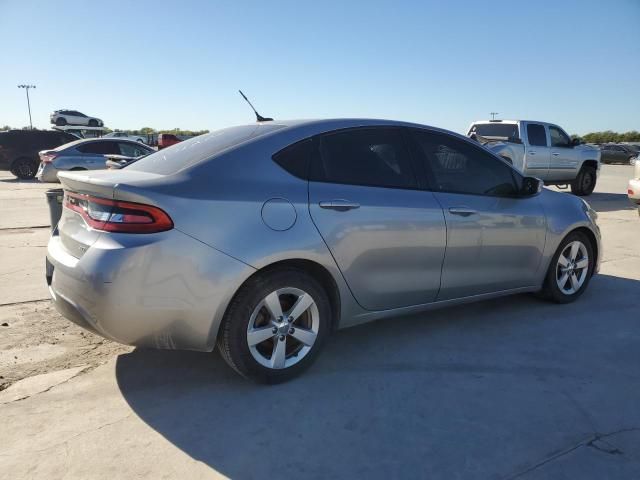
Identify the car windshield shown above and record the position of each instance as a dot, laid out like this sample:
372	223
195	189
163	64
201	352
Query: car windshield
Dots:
197	149
495	130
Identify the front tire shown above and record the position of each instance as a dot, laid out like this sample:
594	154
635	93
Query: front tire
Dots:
585	182
275	326
570	270
61	122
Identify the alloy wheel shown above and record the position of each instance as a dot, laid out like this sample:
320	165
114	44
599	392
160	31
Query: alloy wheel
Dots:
283	328
572	267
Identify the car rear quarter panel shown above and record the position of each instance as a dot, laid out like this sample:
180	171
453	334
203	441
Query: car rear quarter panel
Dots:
225	212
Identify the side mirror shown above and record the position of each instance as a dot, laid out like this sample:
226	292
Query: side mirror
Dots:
575	142
531	186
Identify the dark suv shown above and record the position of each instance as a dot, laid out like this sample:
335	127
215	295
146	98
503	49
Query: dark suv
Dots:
19	149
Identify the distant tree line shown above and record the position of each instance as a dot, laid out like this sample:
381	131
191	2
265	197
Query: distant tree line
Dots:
610	137
152	131
607	136
141	131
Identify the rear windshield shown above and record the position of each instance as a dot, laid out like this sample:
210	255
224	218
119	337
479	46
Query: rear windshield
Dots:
496	130
188	153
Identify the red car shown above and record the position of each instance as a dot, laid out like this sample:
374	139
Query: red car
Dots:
166	140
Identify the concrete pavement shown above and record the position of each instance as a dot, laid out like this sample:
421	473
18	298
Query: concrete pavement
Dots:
504	389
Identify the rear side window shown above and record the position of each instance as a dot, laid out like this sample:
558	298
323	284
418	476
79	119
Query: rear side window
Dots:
536	134
506	131
375	157
295	158
5	139
457	166
100	148
198	149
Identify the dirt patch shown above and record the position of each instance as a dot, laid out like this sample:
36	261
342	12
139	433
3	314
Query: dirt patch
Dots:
35	339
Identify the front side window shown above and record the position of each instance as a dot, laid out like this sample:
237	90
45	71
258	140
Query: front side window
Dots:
133	150
558	137
536	134
457	166
375	157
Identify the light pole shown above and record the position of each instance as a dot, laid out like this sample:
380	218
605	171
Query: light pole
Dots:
493	115
27	87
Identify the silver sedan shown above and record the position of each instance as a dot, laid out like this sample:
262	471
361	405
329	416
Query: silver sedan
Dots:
264	239
86	154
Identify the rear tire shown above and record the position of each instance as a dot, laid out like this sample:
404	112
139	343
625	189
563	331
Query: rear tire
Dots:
567	279
24	168
585	182
256	337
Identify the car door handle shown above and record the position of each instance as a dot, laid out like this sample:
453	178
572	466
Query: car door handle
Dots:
532	153
463	211
339	205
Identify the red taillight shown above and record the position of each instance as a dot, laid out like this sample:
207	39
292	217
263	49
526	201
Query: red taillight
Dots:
116	216
629	191
48	157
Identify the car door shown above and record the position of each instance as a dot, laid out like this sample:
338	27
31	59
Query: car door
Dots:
73	118
93	154
495	238
386	234
564	159
537	153
619	155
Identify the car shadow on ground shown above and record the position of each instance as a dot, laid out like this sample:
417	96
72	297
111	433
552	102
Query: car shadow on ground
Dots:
19	180
609	202
474	391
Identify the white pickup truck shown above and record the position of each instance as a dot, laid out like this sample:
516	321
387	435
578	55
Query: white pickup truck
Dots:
543	150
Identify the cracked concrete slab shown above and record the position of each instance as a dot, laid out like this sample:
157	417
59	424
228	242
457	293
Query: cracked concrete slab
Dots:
40	383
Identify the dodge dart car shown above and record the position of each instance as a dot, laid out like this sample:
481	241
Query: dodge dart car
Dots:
264	239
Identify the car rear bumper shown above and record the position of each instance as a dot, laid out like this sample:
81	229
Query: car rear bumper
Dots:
47	172
633	190
162	290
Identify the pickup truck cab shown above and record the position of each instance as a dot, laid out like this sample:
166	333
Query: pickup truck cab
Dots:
543	150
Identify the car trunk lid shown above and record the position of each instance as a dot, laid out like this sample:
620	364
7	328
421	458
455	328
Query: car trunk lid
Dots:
76	235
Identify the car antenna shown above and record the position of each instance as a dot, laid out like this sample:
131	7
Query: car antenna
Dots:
259	118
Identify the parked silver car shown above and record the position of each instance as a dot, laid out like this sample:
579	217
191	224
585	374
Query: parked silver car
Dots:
86	154
263	239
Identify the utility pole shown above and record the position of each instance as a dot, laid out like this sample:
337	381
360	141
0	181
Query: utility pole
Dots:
27	87
493	115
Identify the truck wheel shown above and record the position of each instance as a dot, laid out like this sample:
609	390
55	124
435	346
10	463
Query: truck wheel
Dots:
24	168
585	182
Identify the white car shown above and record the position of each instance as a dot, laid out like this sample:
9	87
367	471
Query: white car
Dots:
633	189
123	135
73	117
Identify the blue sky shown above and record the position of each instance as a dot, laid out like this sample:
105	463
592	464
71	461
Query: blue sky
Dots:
443	63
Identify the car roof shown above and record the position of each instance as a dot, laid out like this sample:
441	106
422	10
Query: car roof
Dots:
82	141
